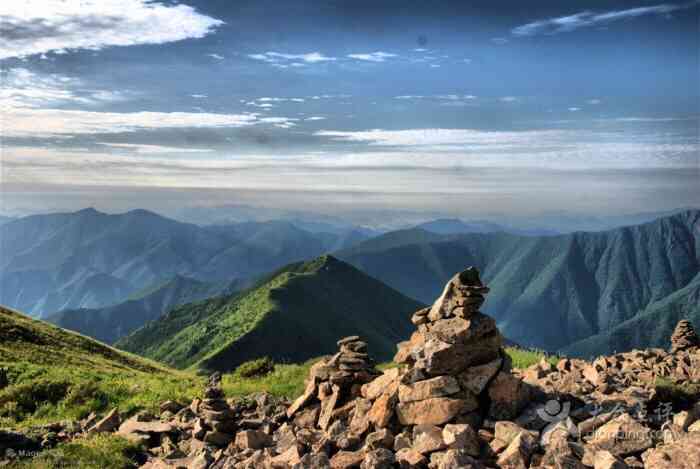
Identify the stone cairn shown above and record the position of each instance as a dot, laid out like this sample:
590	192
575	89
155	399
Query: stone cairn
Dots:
684	337
216	424
452	375
334	382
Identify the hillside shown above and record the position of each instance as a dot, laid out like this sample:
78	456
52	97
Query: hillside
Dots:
89	259
552	291
293	315
110	323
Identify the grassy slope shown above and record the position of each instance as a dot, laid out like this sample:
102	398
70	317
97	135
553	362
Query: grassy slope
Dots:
56	374
292	316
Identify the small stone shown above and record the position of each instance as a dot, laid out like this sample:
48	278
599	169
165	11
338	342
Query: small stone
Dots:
607	460
427	439
108	424
252	439
380	439
380	458
347	459
461	436
408	458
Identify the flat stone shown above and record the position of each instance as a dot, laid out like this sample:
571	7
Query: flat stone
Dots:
327	407
252	439
347	459
476	378
621	436
439	386
427	439
347	340
683	454
309	393
508	395
408	458
376	387
108	424
435	411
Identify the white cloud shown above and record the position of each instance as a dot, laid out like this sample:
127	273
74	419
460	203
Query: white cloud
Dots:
434	66
438	137
500	40
378	56
199	96
594	101
216	56
315	118
27	122
24	88
280	122
574	109
38	26
508	99
144	149
564	24
283	60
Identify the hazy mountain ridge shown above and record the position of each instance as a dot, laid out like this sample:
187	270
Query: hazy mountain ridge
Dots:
110	323
295	314
553	291
89	259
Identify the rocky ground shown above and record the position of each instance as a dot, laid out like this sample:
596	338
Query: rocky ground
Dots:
452	402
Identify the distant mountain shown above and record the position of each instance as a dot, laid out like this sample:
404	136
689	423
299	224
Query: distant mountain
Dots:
295	314
89	259
457	226
4	219
110	323
552	291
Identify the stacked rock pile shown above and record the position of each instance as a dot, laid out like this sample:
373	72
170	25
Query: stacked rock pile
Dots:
684	337
332	383
216	424
452	375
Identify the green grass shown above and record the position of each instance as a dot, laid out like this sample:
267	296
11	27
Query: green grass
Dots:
101	451
56	375
285	381
524	358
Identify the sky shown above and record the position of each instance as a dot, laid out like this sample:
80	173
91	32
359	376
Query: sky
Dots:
462	108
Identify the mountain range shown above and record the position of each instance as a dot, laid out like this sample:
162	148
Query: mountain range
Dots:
89	259
575	293
109	323
294	314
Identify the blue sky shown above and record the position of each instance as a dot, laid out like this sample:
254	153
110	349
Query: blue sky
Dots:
468	107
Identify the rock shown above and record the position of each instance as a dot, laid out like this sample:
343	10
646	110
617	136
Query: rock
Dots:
287	459
380	439
607	460
327	407
427	439
380	458
360	419
217	438
435	411
135	430
454	459
108	424
508	395
518	452
383	408
684	337
309	392
463	437
402	440
408	458
376	387
621	436
440	386
347	459
170	406
685	419
252	439
476	378
683	454
313	461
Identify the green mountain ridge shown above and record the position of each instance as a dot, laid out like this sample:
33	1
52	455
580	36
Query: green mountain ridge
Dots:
110	323
294	314
553	291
